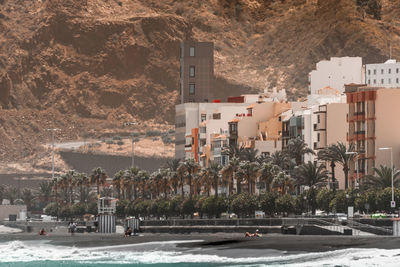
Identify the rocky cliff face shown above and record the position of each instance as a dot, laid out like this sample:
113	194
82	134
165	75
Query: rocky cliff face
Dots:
88	65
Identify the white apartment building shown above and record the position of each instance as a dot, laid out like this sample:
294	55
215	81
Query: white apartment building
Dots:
335	73
385	75
208	119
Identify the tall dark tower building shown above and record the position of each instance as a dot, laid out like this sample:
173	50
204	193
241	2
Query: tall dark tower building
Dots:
197	71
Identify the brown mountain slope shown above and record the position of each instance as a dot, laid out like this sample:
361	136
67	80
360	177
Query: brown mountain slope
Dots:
95	64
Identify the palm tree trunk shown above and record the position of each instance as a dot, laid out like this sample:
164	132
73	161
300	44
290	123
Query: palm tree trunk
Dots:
346	176
216	186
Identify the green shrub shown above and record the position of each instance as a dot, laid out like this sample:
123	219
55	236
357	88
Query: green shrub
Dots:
78	209
120	208
51	209
213	206
324	198
267	202
120	143
285	204
188	207
175	206
116	138
244	204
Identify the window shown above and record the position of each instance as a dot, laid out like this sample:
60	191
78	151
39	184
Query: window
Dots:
381	71
382	81
191	51
216	116
369	72
374	72
280	118
397	80
390	71
203	117
369	81
389	81
397	70
191	89
319	137
374	81
191	71
233	128
318	118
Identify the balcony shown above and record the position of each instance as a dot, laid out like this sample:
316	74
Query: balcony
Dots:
202	136
216	151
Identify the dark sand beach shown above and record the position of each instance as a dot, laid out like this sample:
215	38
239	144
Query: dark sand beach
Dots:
219	241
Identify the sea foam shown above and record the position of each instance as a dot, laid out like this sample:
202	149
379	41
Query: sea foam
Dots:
29	251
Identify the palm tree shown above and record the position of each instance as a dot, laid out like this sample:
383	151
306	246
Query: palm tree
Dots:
214	174
11	193
70	180
382	178
181	177
143	178
82	182
337	154
296	149
156	178
2	193
164	183
173	166
63	185
117	182
230	171
98	177
191	168
28	197
205	181
44	192
235	152
131	175
282	160
250	154
283	182
249	171
313	176
267	173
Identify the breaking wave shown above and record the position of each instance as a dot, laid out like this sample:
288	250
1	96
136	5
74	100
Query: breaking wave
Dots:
29	251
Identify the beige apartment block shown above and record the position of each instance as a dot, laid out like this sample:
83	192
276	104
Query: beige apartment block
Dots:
331	128
373	116
260	127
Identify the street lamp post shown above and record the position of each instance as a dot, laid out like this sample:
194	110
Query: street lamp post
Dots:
391	167
52	162
133	142
357	166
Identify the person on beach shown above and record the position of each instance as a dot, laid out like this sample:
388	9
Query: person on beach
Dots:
256	234
42	232
128	232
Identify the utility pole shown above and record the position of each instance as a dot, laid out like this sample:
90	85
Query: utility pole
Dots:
52	163
133	142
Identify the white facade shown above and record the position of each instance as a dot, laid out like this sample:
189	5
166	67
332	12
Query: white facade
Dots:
383	75
335	73
214	116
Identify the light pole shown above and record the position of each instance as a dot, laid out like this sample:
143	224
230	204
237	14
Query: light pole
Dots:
52	162
392	168
133	142
356	158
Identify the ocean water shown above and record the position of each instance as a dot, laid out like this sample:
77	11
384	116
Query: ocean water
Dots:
162	254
